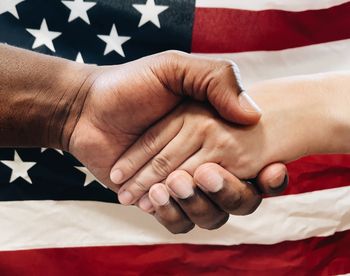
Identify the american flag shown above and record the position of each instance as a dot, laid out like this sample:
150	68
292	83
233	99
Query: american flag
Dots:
57	219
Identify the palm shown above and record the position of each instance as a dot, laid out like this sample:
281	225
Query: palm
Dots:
122	103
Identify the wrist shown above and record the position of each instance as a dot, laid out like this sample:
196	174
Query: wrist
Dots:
73	85
302	116
336	115
40	96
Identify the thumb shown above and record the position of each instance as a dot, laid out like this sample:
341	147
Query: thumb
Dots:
273	179
227	96
207	79
242	111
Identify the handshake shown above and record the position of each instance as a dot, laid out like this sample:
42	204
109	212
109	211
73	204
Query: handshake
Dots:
174	133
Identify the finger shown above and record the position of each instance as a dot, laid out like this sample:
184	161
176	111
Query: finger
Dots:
227	191
159	167
167	212
191	164
145	148
273	179
145	204
215	80
199	208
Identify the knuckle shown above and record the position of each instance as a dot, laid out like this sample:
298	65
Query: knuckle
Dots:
149	143
222	143
161	165
183	229
242	201
249	208
129	163
229	68
175	223
220	222
208	125
255	206
172	54
215	223
200	213
225	64
232	203
140	186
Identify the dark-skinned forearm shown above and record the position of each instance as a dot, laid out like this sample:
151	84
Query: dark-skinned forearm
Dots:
40	98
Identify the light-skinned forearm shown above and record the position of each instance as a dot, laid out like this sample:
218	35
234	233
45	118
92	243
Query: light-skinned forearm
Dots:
312	112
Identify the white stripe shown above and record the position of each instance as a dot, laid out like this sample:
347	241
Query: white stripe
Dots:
317	58
257	5
47	224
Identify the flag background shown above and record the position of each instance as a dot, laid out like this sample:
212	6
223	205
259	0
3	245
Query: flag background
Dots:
65	222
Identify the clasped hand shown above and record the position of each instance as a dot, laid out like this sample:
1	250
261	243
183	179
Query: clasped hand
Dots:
136	133
173	133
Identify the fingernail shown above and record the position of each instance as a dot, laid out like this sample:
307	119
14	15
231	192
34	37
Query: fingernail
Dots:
211	181
117	176
125	198
145	204
276	182
280	186
248	104
181	187
159	195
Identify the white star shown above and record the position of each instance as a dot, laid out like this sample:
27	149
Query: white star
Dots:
59	151
79	58
79	8
19	168
150	12
43	36
89	177
114	41
10	6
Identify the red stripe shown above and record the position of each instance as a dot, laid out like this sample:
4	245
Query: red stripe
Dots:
315	256
218	30
318	172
